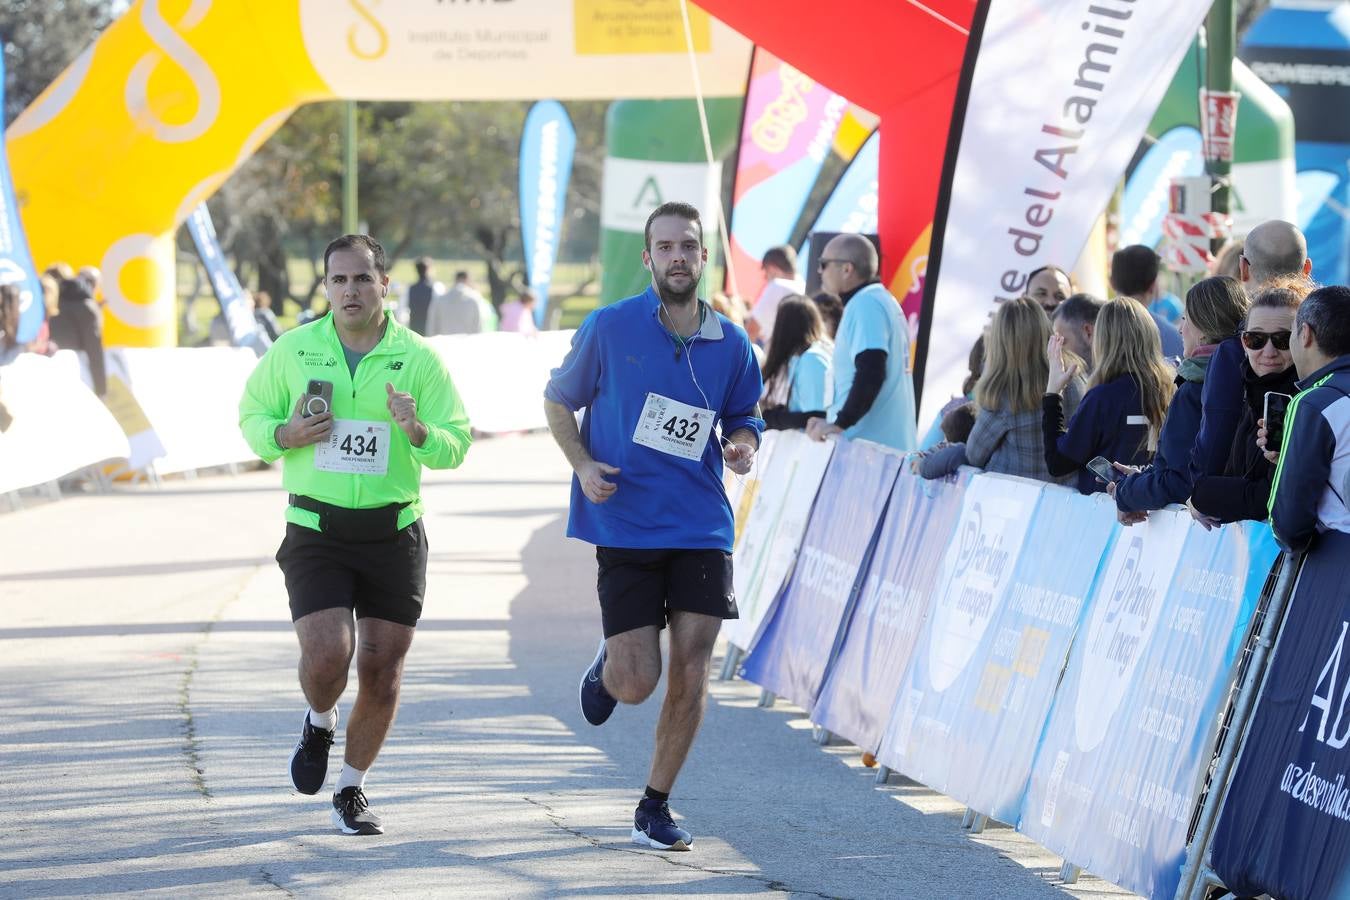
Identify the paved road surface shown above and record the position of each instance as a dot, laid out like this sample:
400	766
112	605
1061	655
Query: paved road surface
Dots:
150	707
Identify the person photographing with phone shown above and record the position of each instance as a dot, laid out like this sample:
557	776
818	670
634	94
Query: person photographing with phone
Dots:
355	404
1311	492
1242	490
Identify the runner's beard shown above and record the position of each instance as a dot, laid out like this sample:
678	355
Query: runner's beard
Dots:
674	296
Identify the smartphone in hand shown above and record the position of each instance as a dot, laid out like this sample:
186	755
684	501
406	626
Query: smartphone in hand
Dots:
1102	468
1276	407
318	398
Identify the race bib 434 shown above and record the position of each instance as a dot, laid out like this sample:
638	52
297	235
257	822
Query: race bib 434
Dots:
355	447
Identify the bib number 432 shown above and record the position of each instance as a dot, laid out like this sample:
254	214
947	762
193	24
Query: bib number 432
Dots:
674	428
681	429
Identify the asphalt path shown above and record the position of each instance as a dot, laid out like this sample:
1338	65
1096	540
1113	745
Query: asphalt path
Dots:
150	706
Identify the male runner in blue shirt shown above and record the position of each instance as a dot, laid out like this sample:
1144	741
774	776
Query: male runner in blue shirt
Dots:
658	374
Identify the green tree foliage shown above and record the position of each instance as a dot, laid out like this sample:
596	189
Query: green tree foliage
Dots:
435	178
41	38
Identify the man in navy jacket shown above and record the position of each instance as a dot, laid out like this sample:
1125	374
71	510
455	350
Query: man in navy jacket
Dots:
1312	480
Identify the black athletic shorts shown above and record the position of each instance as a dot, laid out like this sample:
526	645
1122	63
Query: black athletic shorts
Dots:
641	587
381	579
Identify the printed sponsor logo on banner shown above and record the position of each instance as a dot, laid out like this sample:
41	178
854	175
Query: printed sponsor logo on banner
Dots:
772	131
1123	622
541	262
368	26
826	573
1314	74
634	187
1045	144
977	567
1052	789
884	605
1331	679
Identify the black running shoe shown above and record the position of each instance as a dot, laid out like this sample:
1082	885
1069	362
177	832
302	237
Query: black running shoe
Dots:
309	762
596	703
352	815
653	827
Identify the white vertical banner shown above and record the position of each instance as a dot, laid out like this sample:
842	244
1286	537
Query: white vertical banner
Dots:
1061	93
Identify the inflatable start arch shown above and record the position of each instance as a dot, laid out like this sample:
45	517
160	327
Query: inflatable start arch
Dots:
176	94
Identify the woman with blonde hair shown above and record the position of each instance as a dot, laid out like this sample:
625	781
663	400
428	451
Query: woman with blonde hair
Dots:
1122	413
1215	308
1007	437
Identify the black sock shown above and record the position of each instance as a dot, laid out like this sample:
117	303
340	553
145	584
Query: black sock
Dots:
653	794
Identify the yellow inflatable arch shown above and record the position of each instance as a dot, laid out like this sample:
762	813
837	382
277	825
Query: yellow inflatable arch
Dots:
176	94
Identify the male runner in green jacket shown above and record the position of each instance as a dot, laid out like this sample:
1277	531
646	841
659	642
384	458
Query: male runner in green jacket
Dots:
356	405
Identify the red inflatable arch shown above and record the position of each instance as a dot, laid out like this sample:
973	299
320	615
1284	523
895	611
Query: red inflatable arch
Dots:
902	60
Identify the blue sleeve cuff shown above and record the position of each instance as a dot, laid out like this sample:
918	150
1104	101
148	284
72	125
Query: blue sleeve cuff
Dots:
732	424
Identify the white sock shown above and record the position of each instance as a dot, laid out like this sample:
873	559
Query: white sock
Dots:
324	720
350	777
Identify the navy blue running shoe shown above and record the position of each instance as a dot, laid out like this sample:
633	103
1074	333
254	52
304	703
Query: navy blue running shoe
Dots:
309	760
596	703
653	827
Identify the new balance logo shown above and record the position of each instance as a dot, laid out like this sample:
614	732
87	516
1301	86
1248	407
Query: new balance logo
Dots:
395	365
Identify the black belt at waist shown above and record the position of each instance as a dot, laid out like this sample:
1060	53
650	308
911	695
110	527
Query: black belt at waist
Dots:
353	525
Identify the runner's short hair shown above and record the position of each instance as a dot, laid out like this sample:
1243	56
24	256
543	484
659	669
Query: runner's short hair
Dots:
356	242
673	208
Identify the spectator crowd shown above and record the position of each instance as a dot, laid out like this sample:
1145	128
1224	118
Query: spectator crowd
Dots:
1233	401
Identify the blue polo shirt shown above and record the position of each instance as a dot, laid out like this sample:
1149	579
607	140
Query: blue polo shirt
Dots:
619	355
872	321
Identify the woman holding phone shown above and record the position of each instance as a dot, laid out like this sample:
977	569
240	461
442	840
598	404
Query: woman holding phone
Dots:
1214	309
1122	413
1243	490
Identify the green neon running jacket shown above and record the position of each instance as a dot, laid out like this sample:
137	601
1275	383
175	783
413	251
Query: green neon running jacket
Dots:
402	359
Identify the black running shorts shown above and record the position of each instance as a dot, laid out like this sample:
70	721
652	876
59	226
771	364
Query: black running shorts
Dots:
381	579
642	587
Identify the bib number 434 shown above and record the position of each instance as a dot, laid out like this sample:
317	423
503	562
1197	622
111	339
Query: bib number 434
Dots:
360	445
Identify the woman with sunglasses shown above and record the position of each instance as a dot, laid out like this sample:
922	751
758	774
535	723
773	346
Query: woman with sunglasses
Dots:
1243	490
1214	309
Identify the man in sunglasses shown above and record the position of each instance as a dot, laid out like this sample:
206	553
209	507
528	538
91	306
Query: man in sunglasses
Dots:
1312	478
1272	250
873	391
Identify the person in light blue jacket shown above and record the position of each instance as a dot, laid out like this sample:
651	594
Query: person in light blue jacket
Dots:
874	393
798	369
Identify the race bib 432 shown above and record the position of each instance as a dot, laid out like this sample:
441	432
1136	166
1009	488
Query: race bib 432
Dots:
672	427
